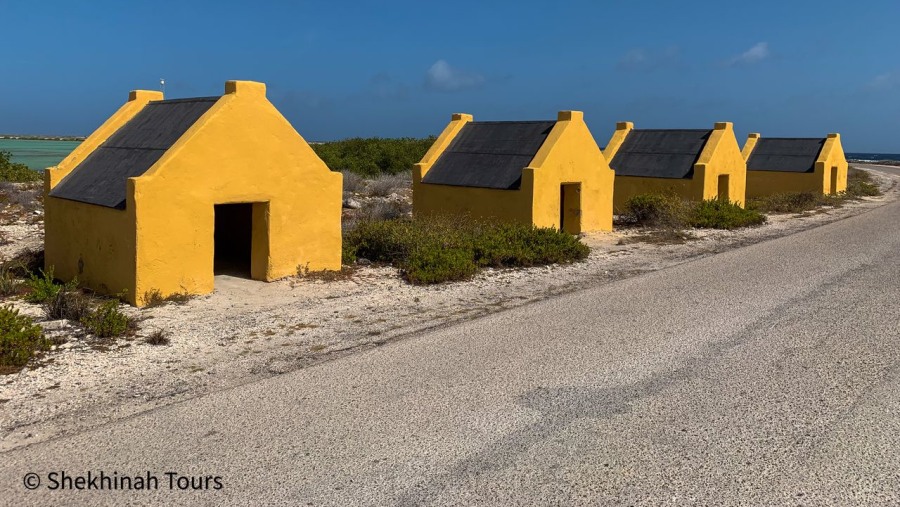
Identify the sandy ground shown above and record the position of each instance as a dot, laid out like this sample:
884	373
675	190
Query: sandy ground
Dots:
247	330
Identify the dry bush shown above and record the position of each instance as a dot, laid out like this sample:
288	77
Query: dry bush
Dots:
388	184
353	182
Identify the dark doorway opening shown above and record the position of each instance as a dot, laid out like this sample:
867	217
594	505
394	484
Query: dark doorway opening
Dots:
834	180
570	208
233	237
723	188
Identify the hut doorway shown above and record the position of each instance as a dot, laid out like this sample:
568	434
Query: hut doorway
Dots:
834	178
723	187
233	239
570	208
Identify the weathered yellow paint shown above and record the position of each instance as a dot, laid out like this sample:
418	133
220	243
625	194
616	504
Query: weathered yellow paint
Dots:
721	157
829	174
242	150
568	156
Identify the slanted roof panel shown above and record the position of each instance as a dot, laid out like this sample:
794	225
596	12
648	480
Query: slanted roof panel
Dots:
489	154
101	177
785	154
660	153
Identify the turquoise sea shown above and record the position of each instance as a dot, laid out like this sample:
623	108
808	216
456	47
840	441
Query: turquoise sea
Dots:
37	154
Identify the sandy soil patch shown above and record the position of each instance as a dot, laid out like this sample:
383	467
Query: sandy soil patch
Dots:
247	330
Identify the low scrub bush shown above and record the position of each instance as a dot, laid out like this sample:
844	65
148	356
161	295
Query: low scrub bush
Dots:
9	283
154	298
69	303
675	213
723	214
440	249
860	184
43	287
388	184
20	339
658	210
791	202
15	172
353	183
158	337
106	320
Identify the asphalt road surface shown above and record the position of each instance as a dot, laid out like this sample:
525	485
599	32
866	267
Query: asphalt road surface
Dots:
768	375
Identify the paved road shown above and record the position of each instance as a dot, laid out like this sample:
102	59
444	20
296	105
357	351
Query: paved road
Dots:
768	375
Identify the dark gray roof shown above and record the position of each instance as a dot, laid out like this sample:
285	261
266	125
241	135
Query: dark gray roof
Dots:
101	177
489	154
660	153
796	155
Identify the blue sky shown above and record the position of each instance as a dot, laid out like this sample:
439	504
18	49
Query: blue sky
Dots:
343	69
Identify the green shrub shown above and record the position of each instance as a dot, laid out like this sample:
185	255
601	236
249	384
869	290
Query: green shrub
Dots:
658	210
15	172
439	249
373	156
20	338
723	214
107	320
69	303
43	287
789	202
860	184
435	265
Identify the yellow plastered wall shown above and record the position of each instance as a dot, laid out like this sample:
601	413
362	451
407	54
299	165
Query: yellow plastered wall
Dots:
242	150
832	157
765	183
720	156
569	155
92	243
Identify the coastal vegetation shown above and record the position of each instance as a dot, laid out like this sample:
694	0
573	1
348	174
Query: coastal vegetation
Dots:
373	156
20	340
15	172
669	211
431	250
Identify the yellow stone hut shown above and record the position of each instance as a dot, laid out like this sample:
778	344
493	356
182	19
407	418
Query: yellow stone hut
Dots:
697	164
166	193
781	164
544	173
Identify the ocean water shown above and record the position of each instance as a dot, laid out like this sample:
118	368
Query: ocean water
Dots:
37	154
872	157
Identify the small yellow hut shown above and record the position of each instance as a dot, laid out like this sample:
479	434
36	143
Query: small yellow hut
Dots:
782	164
167	193
697	164
544	173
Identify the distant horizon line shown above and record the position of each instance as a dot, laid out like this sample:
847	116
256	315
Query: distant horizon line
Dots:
33	137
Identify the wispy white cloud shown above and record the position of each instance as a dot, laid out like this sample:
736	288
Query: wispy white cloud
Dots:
886	81
443	77
641	59
757	53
